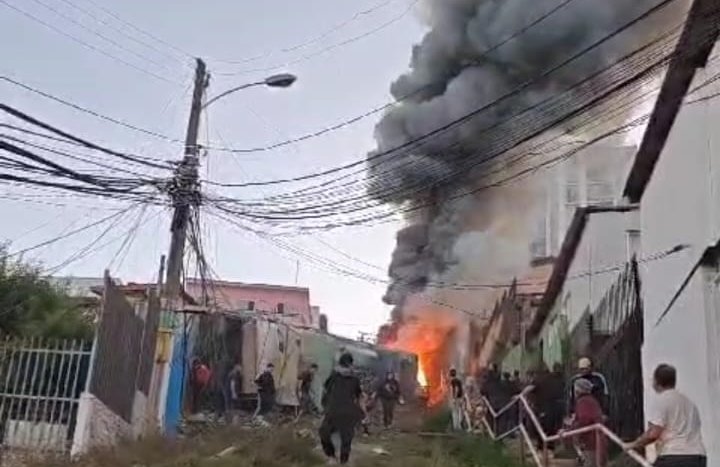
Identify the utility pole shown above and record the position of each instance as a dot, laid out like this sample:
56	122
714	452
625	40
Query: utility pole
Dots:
185	188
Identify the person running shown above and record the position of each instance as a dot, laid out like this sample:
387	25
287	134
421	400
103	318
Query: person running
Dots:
305	393
674	424
266	391
600	388
342	401
457	395
587	413
388	393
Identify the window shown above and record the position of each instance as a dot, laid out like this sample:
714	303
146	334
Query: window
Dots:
281	308
572	193
600	193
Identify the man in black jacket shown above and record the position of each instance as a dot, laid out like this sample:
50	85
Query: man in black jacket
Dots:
599	385
389	394
342	403
266	391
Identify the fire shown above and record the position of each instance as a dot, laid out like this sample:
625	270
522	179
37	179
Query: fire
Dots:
421	377
427	340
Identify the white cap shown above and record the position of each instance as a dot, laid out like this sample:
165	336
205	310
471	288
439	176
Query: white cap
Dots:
584	363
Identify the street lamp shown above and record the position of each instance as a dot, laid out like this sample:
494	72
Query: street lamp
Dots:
282	80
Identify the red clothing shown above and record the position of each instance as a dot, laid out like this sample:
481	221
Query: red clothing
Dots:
202	375
588	412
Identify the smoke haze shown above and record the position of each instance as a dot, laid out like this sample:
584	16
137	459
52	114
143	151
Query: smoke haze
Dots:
491	55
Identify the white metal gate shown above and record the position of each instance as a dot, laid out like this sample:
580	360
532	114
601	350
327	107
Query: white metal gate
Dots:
40	385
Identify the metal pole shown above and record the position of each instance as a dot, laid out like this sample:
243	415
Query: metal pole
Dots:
185	190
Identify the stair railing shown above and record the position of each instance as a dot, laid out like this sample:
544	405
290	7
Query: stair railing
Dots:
542	457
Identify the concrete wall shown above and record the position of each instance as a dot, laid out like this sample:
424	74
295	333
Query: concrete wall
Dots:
681	205
296	300
598	261
97	426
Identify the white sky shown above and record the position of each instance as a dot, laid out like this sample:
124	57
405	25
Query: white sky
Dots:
341	83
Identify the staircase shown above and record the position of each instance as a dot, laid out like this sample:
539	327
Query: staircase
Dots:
519	442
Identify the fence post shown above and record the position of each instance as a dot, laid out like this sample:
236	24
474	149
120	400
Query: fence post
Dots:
520	430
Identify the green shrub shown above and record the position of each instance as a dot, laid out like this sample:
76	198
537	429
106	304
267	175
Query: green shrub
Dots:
438	421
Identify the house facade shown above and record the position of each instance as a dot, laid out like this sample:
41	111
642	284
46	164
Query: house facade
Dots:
663	306
285	303
677	185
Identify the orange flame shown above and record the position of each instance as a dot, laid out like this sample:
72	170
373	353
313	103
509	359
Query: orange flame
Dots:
421	377
427	341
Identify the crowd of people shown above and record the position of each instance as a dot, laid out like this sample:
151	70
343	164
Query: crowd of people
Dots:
561	406
564	405
349	397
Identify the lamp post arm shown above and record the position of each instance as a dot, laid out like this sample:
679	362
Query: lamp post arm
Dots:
230	91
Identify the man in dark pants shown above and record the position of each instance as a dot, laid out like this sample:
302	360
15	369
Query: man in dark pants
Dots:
305	397
266	391
553	407
674	424
342	403
389	394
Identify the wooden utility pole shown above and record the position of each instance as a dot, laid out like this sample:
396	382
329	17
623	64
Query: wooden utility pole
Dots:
185	190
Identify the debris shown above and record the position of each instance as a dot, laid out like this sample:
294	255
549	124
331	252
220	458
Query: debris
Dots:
225	452
380	451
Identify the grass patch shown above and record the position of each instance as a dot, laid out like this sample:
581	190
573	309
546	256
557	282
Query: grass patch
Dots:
252	448
438	421
472	451
279	447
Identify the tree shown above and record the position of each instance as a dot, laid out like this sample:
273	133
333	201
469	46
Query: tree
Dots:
30	306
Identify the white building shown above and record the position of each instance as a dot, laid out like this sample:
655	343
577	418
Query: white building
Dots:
593	177
593	255
676	180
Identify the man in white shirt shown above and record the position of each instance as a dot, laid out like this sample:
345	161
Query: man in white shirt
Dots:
674	424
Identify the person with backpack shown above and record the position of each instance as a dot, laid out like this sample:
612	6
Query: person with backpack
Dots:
342	402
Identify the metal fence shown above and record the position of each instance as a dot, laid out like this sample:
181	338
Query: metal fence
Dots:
125	349
613	335
618	325
40	385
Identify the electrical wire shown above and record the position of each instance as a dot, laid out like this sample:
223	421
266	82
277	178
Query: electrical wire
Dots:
470	115
143	32
310	135
127	243
93	113
124	33
327	48
105	219
92	247
27	118
603	136
102	36
76	157
397	101
315	39
87	44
